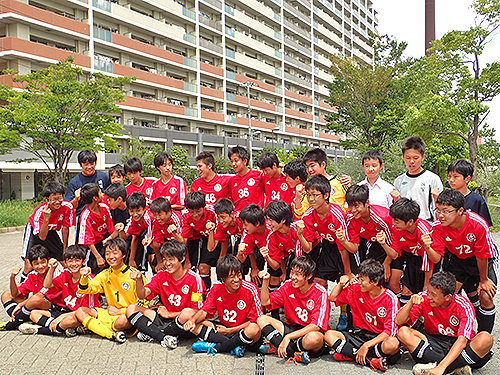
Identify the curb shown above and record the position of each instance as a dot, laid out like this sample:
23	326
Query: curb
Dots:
12	229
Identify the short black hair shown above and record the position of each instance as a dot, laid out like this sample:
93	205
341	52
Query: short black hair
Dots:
227	265
194	200
88	192
134	164
75	251
206	158
160	204
161	157
306	265
452	198
320	183
267	159
53	187
445	282
296	168
116	169
116	190
38	251
224	205
279	210
372	269
357	193
241	151
136	200
316	154
253	214
405	209
117	243
372	154
86	156
415	143
462	166
173	249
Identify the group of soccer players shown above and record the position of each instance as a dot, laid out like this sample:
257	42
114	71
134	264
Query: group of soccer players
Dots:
291	230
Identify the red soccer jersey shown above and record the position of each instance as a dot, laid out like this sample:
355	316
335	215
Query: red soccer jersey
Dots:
94	226
215	189
174	190
146	223
457	319
63	217
255	239
72	300
234	309
312	307
375	315
160	233
412	242
473	239
193	230
221	234
281	245
176	295
380	220
247	189
277	189
313	225
146	187
34	284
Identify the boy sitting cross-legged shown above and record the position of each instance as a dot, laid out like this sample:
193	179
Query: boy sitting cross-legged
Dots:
119	289
177	287
373	340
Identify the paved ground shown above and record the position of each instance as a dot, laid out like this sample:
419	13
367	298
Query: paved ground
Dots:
22	354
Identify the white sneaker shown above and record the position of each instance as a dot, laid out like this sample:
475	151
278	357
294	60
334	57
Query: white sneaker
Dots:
464	370
423	368
141	336
120	337
169	342
29	328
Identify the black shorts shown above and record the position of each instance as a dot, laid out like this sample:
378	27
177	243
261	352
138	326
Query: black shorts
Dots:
56	310
161	322
329	265
140	254
274	272
52	243
374	250
467	273
413	277
92	261
358	336
209	257
289	328
193	248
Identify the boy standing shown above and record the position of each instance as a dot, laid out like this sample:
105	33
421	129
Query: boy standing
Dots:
380	190
275	184
139	227
296	177
116	174
117	201
169	186
133	169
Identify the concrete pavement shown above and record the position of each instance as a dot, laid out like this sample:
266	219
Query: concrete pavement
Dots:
90	354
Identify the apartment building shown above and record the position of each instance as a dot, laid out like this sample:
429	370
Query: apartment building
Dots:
195	61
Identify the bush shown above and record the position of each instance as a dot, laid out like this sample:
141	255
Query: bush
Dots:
14	213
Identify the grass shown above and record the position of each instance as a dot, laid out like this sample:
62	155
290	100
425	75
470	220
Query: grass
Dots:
14	213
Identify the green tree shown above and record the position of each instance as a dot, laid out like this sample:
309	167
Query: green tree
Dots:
145	153
61	110
181	166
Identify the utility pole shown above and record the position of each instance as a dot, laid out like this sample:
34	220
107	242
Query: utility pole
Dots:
430	24
249	84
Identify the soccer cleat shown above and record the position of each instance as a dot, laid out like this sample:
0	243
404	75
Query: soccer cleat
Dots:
464	370
120	337
71	332
141	336
342	324
169	342
2	326
423	368
268	348
377	364
29	328
82	330
342	358
204	347
239	351
299	357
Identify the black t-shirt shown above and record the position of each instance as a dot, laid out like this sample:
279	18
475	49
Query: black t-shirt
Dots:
476	203
120	216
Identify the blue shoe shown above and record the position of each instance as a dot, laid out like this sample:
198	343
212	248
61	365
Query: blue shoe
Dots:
299	357
342	324
204	347
268	348
239	351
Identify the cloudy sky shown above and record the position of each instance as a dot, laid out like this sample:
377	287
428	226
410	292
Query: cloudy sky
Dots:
404	19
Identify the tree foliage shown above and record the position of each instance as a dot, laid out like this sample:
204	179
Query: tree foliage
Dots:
181	166
145	153
61	110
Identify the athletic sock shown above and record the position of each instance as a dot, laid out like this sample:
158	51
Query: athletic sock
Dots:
207	281
175	329
9	307
272	335
44	321
292	348
475	302
486	319
45	331
145	325
390	359
467	357
345	348
59	329
21	317
424	353
240	339
211	335
97	327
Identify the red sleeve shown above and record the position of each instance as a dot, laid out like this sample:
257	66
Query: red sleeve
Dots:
277	298
133	228
220	234
438	243
154	285
86	236
416	312
352	232
345	296
187	231
209	306
109	221
27	286
69	215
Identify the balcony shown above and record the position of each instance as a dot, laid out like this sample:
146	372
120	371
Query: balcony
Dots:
298	80
298	114
211	92
306	51
214	116
304	18
150	77
303	33
211	69
298	63
215	3
210	23
211	46
153	105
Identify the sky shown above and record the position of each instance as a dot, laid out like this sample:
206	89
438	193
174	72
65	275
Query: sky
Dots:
405	20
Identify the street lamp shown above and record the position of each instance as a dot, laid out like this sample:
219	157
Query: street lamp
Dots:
272	131
249	84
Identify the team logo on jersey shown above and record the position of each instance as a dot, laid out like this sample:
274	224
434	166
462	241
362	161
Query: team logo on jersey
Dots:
470	237
362	230
447	239
125	286
172	190
149	191
61	217
430	313
165	283
454	321
284	186
331	227
310	304
217	187
402	239
185	289
241	304
361	300
292	296
315	225
219	299
382	312
251	182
